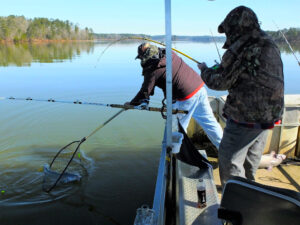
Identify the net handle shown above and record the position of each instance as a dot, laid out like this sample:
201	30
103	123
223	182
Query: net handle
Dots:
106	122
80	142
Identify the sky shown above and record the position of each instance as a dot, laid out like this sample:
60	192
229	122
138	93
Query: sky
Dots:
189	17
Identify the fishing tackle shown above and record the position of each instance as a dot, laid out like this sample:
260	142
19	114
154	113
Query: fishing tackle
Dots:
215	45
145	39
69	176
287	43
152	109
79	142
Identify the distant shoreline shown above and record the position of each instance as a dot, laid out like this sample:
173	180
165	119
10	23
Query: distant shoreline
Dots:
18	29
199	39
40	41
37	41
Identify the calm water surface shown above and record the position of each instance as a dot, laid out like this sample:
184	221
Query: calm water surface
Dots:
122	157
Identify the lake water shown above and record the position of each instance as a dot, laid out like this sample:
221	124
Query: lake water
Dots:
122	157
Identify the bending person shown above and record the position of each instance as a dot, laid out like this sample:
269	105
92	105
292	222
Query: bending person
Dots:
188	91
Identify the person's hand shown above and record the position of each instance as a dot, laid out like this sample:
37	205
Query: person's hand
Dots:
127	105
142	106
202	66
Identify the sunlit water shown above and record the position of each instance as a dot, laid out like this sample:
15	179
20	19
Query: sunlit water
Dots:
121	159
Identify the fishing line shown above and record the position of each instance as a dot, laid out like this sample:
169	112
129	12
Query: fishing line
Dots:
215	45
286	40
145	39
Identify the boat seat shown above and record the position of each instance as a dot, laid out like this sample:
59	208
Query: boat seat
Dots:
246	202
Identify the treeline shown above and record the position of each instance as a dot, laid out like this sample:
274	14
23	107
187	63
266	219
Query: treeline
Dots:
204	38
20	29
117	36
159	37
292	34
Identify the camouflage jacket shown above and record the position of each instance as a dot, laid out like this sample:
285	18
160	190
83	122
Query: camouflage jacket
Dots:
251	70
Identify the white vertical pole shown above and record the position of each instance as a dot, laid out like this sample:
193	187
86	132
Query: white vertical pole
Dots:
168	71
161	181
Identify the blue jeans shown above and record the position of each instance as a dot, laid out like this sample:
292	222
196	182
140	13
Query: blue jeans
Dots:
199	108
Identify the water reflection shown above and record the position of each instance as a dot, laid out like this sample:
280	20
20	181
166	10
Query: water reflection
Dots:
285	48
25	54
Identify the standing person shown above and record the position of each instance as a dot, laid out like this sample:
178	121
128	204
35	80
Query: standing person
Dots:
188	91
252	72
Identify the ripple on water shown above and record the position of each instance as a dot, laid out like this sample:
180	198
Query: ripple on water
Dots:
22	177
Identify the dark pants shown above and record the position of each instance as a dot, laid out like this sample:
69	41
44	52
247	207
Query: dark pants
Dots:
240	151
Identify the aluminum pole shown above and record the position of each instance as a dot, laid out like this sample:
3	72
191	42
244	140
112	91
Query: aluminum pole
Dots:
168	72
161	181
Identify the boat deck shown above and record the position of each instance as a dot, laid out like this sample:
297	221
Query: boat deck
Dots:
282	176
189	213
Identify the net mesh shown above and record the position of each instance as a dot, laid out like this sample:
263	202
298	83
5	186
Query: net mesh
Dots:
68	166
62	169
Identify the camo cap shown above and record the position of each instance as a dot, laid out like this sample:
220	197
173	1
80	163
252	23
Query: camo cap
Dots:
141	51
147	51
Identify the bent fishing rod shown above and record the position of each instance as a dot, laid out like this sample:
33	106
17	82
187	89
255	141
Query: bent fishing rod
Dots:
145	39
153	109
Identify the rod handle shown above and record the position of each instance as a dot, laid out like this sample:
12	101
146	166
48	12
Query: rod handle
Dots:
153	109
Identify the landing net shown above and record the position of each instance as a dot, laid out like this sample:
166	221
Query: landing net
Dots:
62	170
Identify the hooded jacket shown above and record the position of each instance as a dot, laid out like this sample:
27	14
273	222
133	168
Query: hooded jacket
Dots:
251	70
186	82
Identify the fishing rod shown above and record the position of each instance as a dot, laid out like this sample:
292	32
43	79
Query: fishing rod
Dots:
286	40
215	45
153	109
145	39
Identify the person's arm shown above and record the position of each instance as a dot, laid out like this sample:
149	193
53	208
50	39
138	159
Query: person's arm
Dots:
221	76
224	76
146	90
